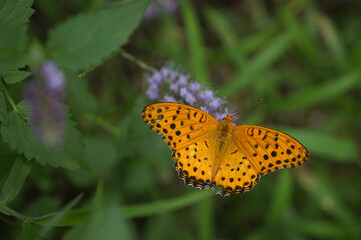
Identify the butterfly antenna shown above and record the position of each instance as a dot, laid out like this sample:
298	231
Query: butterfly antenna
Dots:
259	101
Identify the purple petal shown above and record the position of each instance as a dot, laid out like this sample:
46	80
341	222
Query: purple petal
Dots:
53	78
193	87
187	96
182	80
206	96
214	105
46	113
153	92
169	98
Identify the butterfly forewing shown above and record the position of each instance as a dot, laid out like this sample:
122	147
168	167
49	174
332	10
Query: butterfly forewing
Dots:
181	125
269	149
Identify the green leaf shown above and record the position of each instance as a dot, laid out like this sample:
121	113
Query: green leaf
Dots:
324	144
60	215
219	24
280	201
29	231
15	12
262	61
12	47
106	224
195	41
17	176
320	228
137	210
17	133
87	39
95	148
79	95
3	108
318	94
10	212
16	76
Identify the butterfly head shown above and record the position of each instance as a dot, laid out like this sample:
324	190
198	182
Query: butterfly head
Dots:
226	126
228	119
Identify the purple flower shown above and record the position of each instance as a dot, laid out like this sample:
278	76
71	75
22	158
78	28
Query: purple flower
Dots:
194	87
160	6
53	77
169	85
45	97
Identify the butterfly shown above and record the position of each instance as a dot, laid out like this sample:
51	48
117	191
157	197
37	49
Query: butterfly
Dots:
230	158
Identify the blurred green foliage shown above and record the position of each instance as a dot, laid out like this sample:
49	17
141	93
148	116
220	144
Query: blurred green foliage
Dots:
303	58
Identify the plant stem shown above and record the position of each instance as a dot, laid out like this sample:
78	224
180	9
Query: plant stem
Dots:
137	61
11	101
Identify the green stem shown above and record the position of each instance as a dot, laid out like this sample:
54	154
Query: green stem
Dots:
137	61
11	101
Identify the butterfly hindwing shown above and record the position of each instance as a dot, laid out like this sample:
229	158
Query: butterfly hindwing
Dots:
236	173
269	149
195	163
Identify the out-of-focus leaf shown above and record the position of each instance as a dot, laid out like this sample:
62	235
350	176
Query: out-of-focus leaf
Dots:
55	219
271	52
221	26
280	201
16	76
321	229
318	94
79	95
333	41
324	144
3	108
194	38
302	36
105	224
205	213
100	154
17	133
17	176
136	210
316	185
86	40
10	212
15	12
29	231
12	47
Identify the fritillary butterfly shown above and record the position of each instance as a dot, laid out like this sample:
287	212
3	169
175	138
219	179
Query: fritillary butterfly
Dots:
212	154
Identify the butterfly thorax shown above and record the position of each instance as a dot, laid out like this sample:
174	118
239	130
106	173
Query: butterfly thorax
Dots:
224	139
226	126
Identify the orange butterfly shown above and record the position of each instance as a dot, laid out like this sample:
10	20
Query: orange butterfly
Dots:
208	153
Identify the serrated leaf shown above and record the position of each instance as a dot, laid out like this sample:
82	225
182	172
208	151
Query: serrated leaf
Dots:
16	76
87	39
17	176
17	133
12	48
15	12
3	109
29	231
